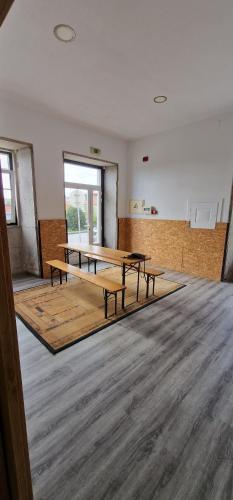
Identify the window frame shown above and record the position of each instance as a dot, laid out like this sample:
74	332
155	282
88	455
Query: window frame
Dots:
11	172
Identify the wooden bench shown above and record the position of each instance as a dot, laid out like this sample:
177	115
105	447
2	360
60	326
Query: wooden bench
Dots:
110	287
151	273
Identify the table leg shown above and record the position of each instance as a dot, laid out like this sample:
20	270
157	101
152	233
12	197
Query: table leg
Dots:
153	285
105	304
60	274
79	260
66	256
147	285
123	283
139	266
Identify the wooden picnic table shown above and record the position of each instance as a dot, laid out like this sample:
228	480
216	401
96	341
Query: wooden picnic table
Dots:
120	256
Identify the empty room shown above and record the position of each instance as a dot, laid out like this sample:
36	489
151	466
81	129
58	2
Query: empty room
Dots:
116	250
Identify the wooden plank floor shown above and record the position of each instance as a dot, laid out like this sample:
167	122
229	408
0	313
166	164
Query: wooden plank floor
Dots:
145	411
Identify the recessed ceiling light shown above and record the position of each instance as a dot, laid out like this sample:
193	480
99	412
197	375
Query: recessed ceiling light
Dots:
160	99
64	33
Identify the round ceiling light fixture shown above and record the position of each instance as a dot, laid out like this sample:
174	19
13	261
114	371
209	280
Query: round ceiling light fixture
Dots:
64	33
160	99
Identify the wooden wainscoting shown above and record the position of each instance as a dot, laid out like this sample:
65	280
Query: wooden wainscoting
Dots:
51	232
174	245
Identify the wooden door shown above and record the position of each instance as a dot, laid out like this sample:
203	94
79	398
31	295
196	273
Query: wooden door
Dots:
15	477
5	6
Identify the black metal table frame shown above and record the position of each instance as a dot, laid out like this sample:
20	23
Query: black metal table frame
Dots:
150	278
130	268
68	252
52	269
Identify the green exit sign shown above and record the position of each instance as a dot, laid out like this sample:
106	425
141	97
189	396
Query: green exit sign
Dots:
95	151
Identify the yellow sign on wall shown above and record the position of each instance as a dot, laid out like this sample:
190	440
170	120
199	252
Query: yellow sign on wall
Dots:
136	206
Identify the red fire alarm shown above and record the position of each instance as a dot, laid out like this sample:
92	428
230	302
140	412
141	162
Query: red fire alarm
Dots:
145	159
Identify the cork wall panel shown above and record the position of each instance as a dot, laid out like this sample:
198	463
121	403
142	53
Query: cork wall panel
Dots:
51	232
122	224
174	245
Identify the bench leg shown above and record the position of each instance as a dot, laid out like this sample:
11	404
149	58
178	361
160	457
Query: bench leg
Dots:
153	285
95	266
60	274
147	285
51	275
79	260
123	283
66	277
88	264
105	304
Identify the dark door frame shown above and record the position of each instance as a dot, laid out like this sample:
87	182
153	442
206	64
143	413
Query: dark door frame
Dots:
227	270
14	455
4	9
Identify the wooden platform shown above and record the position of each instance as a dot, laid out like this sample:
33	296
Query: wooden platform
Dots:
65	314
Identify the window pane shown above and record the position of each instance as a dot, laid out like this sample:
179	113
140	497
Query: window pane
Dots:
8	205
6	181
77	215
9	196
4	160
82	175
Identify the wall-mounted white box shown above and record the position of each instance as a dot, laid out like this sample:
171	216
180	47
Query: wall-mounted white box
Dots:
203	214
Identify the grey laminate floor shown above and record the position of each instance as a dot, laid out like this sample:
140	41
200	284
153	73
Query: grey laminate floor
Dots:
143	410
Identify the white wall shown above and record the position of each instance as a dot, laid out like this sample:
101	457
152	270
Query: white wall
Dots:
15	248
50	136
26	206
110	207
194	162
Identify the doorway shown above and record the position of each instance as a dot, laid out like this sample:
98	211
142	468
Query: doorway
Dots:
227	270
83	203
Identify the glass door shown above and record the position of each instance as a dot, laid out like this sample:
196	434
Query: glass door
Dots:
77	215
83	198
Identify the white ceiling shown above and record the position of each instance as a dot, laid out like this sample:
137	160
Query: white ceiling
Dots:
125	53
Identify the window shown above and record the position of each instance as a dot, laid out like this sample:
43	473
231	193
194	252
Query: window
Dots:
83	197
80	174
8	182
